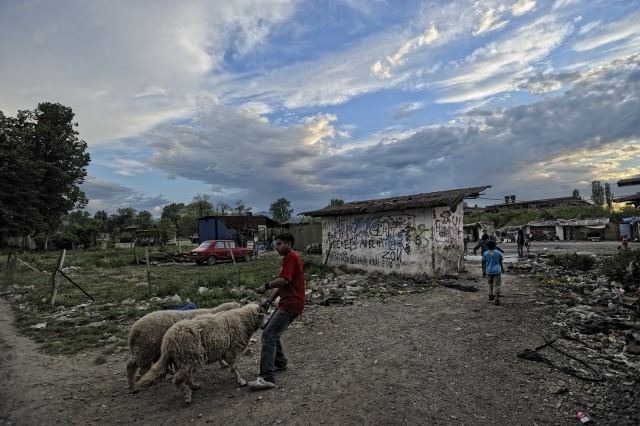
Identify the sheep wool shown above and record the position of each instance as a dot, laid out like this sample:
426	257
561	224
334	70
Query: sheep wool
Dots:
145	336
190	344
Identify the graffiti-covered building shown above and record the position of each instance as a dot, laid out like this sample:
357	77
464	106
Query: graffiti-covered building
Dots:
414	234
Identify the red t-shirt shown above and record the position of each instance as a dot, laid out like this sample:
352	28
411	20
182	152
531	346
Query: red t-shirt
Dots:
292	297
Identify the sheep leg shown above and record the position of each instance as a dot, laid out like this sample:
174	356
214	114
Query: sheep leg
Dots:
223	363
180	381
193	385
144	368
234	370
132	367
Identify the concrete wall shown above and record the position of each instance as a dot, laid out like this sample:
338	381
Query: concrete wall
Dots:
413	242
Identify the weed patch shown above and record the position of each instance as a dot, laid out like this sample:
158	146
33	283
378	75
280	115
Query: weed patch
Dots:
121	292
617	268
583	262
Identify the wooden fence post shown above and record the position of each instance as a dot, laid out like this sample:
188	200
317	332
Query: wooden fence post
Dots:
55	276
11	266
146	255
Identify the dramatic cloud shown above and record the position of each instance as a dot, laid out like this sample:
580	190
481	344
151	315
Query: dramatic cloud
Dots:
111	196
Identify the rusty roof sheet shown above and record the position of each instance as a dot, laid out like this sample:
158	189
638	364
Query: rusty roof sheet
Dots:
449	198
635	180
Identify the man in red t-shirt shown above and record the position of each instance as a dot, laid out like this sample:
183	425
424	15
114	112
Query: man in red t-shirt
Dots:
290	287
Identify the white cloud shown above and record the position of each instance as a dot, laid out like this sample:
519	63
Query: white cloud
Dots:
131	63
489	22
496	66
626	28
522	7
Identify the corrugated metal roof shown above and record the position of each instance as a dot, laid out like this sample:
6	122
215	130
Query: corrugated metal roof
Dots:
449	198
629	181
571	222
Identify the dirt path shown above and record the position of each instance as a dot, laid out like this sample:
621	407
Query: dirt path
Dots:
439	357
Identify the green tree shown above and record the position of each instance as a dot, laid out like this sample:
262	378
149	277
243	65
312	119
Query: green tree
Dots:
60	158
281	210
201	205
222	208
608	196
188	224
241	209
172	212
576	193
597	193
144	220
336	202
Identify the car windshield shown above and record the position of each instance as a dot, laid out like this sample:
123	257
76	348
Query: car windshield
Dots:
204	245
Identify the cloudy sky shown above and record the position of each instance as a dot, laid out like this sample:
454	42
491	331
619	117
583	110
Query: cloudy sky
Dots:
313	100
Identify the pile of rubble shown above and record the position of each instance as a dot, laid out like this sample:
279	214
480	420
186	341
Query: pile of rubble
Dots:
598	320
339	288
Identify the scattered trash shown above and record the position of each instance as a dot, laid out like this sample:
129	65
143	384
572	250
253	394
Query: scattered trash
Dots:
583	418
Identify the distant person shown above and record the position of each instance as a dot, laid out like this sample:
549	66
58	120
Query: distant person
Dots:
482	245
494	268
466	242
520	239
625	243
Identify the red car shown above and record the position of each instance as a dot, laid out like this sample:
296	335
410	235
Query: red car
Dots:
214	250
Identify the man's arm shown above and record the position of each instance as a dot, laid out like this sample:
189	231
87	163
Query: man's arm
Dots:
276	284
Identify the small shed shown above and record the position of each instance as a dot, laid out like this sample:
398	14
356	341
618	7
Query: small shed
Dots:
305	234
244	230
594	229
474	231
413	234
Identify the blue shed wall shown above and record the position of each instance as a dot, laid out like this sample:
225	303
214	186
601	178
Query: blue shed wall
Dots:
212	228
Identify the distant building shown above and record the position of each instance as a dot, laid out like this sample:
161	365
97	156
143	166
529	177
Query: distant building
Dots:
414	234
632	199
244	230
546	203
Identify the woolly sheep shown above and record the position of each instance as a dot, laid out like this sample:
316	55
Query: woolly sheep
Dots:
190	344
145	337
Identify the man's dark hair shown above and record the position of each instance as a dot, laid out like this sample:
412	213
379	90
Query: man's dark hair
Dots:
286	237
491	244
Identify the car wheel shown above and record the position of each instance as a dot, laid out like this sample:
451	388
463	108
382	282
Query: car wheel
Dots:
247	257
212	260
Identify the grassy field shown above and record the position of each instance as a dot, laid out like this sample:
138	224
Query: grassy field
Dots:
120	288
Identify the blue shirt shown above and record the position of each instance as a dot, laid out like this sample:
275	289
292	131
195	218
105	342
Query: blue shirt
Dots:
492	258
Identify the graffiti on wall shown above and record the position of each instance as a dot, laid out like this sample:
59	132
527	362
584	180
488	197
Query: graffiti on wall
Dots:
447	226
373	241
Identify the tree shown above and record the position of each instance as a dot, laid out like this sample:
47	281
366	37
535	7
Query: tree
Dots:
172	212
281	211
608	196
336	202
241	209
576	193
597	193
201	205
144	220
59	156
20	191
222	208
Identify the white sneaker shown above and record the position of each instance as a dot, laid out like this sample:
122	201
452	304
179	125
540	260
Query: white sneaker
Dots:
261	383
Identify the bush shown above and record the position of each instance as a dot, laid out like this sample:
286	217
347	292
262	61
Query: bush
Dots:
615	267
583	262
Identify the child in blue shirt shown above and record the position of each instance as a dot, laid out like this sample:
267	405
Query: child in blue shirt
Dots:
493	260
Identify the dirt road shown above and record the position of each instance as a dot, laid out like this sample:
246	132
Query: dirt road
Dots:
440	357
